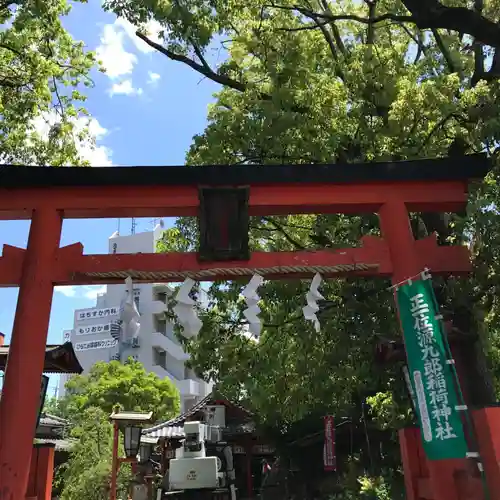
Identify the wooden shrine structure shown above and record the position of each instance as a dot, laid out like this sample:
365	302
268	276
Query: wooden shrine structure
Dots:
249	446
52	446
59	358
223	198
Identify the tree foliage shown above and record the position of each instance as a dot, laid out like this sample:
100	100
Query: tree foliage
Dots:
317	81
42	72
110	384
87	404
330	82
86	474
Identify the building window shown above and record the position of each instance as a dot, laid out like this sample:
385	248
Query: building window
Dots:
161	296
159	325
159	358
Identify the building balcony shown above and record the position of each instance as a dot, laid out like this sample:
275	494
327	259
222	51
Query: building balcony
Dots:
156	307
162	373
161	291
161	341
188	387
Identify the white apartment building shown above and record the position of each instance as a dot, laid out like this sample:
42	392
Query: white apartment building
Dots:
156	347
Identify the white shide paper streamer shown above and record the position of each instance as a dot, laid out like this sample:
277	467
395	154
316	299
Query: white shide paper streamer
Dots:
312	297
185	310
252	298
129	315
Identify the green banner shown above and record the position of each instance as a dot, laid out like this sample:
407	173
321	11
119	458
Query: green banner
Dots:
430	375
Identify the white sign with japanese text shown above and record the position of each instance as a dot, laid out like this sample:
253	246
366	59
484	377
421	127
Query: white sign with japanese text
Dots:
95	344
92	329
85	314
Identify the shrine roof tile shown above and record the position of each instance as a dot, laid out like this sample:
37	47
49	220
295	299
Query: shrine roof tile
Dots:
59	358
59	444
175	424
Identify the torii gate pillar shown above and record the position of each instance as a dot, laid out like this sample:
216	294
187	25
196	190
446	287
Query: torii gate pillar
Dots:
21	395
397	232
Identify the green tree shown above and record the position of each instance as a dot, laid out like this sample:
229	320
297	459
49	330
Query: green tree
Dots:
317	81
86	474
329	82
42	73
127	385
87	404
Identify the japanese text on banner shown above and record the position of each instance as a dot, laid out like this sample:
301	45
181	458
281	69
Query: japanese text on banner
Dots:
430	375
329	460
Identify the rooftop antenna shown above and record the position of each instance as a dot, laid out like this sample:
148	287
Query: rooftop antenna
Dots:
134	225
118	225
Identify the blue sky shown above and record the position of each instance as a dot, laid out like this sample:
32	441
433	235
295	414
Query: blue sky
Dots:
145	110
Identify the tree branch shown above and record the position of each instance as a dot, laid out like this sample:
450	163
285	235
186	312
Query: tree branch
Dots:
329	40
494	71
200	68
370	34
417	39
439	126
444	50
12	85
11	49
279	228
206	71
478	50
427	14
200	56
334	28
345	17
305	27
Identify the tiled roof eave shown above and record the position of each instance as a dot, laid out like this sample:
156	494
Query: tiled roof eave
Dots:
179	420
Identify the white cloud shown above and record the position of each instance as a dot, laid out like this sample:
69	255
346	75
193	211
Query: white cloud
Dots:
68	291
153	77
92	292
89	292
115	59
88	149
112	52
125	88
152	31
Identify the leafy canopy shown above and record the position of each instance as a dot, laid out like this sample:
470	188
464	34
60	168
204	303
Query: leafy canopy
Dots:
42	73
87	404
322	81
110	384
315	81
86	474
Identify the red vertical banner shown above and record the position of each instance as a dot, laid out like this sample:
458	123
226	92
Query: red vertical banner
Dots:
329	460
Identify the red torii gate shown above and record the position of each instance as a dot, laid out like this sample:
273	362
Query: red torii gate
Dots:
46	195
